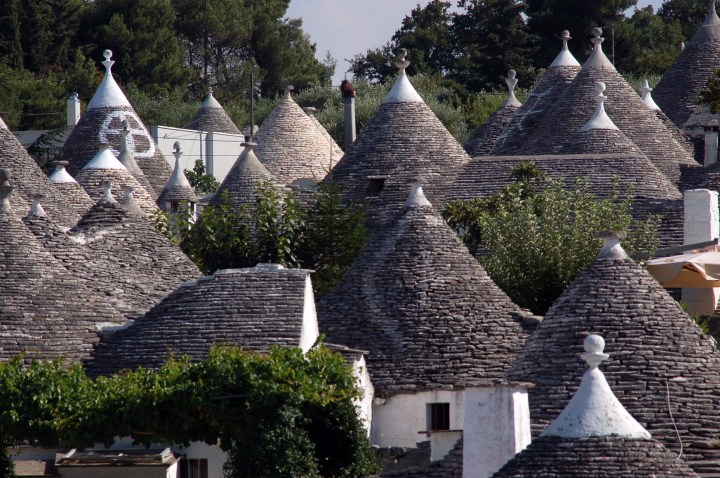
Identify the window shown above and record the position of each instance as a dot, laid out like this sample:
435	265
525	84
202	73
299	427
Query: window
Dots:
375	185
438	416
193	468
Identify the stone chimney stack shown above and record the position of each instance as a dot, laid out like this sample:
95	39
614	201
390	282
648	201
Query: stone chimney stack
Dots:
73	110
702	223
711	143
348	94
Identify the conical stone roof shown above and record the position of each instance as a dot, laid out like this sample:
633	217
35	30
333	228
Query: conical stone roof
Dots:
102	124
682	139
252	308
46	312
546	91
595	436
484	138
178	187
632	117
126	258
241	183
423	307
682	83
337	152
290	145
28	178
212	117
106	167
402	142
72	193
658	352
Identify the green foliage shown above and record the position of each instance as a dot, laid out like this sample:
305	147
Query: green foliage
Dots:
280	414
711	93
646	43
166	107
537	234
201	182
689	14
548	18
326	237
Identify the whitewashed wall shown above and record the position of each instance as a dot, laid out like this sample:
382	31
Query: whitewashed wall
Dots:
217	150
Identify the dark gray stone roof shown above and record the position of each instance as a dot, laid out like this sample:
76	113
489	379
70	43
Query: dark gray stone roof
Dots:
682	83
402	142
656	350
27	178
530	116
178	187
483	140
602	141
425	309
572	110
104	125
242	180
252	308
123	257
45	311
71	192
212	117
337	152
290	145
487	175
611	457
91	180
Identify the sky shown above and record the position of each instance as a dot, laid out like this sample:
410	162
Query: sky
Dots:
348	27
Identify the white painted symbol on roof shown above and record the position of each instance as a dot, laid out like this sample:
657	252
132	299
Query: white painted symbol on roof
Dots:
139	141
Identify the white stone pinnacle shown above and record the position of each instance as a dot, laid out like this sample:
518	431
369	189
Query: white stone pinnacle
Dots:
594	410
108	93
565	58
60	175
597	58
402	91
36	209
511	82
599	119
417	197
611	244
107	190
104	159
647	98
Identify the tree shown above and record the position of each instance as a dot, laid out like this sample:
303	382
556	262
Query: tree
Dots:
427	36
646	43
10	47
141	35
201	182
548	18
491	38
536	235
216	34
711	94
689	14
289	414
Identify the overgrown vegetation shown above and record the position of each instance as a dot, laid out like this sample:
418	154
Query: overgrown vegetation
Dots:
325	235
280	415
537	234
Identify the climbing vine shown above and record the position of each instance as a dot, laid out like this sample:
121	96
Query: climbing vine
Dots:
282	414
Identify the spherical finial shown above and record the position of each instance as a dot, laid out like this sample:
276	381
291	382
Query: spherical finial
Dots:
178	150
597	36
210	90
600	87
107	54
597	32
594	344
565	35
400	59
511	74
4	176
74	96
646	87
107	63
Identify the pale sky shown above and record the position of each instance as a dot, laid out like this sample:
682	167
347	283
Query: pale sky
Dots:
347	27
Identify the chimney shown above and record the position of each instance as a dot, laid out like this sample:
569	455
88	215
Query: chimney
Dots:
711	143
348	93
702	223
73	110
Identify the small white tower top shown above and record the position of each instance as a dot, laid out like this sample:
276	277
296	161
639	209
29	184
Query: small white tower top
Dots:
597	58
564	58
511	81
402	91
417	196
36	209
210	101
611	244
108	93
107	191
104	160
599	119
647	97
60	175
2	124
178	179
595	411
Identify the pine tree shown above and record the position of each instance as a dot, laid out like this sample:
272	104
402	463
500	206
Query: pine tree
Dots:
10	47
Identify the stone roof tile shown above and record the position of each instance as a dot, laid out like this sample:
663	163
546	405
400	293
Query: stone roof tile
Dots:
212	117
